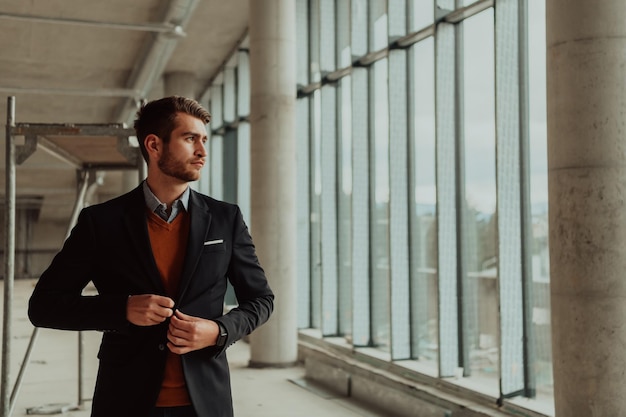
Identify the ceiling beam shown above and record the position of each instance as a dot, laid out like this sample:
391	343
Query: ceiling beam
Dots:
155	56
108	92
164	27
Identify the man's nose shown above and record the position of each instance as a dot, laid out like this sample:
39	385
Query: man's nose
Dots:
201	149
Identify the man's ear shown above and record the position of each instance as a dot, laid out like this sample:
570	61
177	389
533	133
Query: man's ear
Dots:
153	144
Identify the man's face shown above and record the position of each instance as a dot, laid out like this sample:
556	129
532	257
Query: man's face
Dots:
184	155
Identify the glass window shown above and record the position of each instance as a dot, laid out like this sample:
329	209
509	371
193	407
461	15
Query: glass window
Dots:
379	201
329	235
361	265
539	197
398	204
422	14
316	209
350	210
479	222
243	170
328	42
468	2
303	213
315	74
229	166
344	54
302	39
217	107
315	166
243	84
217	152
229	95
358	27
344	201
397	17
423	220
378	25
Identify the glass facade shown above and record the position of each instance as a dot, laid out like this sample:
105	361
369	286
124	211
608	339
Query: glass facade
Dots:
422	184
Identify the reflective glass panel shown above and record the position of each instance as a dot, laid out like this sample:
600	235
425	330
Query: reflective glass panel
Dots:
539	198
422	14
478	209
344	201
379	224
424	212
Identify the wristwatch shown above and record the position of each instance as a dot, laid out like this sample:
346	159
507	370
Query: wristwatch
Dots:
221	338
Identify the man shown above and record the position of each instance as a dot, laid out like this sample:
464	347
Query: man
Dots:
160	257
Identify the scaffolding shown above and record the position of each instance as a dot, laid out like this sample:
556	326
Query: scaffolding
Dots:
75	145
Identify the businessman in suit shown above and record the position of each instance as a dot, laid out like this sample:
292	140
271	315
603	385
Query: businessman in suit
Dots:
160	257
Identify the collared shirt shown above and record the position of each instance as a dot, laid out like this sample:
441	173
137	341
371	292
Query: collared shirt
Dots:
155	205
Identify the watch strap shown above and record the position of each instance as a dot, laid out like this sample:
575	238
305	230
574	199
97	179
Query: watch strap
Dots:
221	337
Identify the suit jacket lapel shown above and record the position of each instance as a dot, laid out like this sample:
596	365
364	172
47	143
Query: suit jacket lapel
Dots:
136	224
200	220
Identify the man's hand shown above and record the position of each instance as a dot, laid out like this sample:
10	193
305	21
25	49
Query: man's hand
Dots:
148	309
187	333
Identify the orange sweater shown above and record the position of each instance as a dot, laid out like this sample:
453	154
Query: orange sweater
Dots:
169	244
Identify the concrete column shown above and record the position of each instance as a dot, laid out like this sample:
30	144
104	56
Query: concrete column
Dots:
586	93
273	172
179	83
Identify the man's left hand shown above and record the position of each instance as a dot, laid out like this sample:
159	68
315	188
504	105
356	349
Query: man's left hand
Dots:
187	333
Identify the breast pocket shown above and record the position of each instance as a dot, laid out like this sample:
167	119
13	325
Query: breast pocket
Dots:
216	245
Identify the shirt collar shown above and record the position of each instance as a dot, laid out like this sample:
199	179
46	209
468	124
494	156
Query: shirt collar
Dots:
153	202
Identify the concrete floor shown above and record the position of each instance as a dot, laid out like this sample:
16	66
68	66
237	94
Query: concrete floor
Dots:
50	382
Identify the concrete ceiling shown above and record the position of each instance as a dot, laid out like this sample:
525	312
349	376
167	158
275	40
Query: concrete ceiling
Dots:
91	62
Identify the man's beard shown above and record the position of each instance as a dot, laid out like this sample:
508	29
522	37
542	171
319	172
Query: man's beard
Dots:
175	168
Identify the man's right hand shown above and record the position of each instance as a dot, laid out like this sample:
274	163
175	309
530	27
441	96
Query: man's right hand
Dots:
148	309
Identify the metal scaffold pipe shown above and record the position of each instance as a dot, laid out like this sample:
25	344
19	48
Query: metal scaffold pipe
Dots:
9	259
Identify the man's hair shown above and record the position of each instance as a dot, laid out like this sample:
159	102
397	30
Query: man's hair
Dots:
158	117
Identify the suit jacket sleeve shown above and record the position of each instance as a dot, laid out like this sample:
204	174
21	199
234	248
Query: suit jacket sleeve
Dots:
254	296
57	300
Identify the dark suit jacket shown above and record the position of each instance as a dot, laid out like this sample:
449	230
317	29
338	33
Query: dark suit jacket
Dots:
110	246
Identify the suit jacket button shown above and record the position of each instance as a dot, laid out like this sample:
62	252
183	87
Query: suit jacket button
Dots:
161	346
